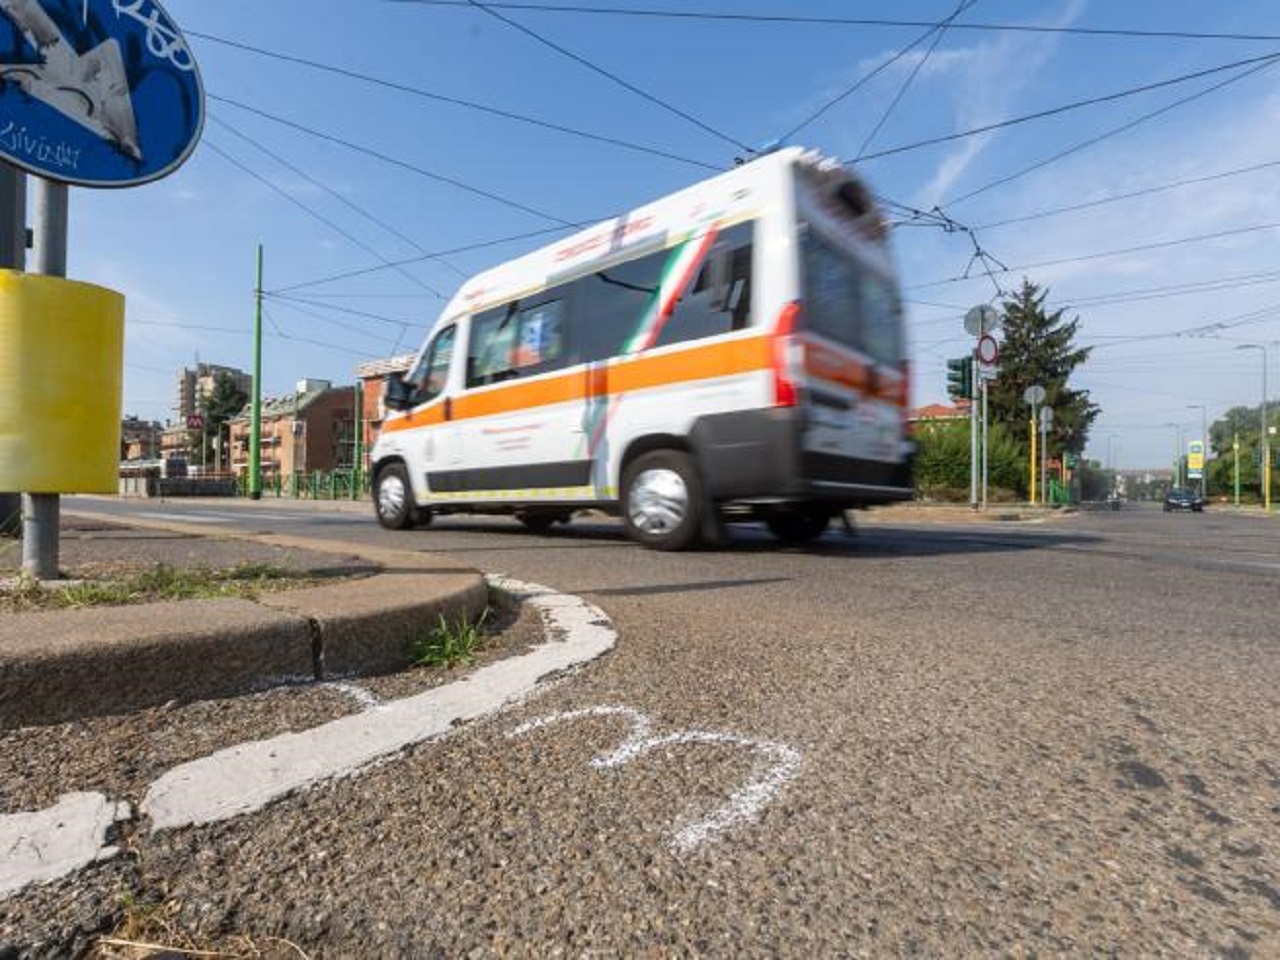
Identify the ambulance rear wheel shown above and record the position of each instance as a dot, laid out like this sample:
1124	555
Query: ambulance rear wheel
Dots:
662	500
393	498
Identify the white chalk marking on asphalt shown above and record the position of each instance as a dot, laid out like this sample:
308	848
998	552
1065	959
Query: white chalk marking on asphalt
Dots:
44	845
247	777
781	766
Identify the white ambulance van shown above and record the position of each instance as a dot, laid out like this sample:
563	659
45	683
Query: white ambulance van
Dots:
732	352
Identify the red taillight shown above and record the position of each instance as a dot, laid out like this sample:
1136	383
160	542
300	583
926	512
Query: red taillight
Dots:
785	391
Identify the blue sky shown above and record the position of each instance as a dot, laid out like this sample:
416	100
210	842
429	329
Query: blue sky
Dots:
182	249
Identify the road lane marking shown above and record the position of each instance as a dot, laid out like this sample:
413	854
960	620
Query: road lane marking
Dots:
181	517
781	765
246	777
43	845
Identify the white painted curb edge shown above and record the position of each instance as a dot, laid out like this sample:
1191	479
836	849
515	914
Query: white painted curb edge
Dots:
246	777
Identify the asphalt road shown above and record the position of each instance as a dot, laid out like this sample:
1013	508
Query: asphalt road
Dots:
965	739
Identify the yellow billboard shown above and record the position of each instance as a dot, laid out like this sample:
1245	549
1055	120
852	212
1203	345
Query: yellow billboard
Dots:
61	372
1195	456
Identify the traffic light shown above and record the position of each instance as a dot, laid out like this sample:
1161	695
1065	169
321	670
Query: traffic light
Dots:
960	378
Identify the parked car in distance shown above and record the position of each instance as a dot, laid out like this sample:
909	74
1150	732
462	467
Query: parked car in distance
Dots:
1182	499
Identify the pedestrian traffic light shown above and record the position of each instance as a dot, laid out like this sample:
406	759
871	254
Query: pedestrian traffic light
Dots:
960	378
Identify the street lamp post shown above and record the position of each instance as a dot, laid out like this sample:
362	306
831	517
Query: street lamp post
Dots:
1264	439
1204	446
1177	453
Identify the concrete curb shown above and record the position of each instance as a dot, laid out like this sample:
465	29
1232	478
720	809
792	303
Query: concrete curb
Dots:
57	666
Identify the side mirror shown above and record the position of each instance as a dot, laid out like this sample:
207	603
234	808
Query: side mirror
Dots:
720	276
397	394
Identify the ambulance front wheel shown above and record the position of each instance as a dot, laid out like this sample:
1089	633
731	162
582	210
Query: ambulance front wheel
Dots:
393	498
661	500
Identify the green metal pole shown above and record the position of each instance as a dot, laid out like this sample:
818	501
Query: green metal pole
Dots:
357	465
255	423
1235	446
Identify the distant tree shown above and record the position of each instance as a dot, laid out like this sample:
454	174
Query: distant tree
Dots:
219	405
1039	348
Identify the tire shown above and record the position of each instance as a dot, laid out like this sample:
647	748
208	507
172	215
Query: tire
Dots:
662	500
799	525
541	521
393	498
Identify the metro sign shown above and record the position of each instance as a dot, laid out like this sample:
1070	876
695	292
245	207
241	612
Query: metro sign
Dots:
98	93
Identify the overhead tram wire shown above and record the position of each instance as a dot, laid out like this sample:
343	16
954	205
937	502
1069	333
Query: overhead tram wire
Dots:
868	77
625	84
1082	258
454	101
238	332
1116	198
347	311
350	205
316	315
939	33
1259	63
1115	131
848	21
319	217
393	161
467	248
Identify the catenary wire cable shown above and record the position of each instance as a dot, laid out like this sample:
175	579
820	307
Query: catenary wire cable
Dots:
466	248
939	33
595	68
356	241
1116	198
455	101
1115	131
861	82
385	158
1257	62
1161	245
849	21
349	204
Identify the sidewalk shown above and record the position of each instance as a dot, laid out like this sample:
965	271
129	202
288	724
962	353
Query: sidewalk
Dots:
65	664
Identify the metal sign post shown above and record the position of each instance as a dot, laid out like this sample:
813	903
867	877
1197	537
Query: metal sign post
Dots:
1033	396
96	93
1046	421
979	322
41	512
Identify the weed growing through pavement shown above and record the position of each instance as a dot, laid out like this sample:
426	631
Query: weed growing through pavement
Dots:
450	644
162	582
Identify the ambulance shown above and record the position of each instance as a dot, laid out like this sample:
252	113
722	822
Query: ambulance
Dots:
733	352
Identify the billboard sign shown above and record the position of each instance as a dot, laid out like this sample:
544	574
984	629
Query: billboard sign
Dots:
1195	460
96	93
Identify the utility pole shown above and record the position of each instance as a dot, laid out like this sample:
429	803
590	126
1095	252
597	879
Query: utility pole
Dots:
41	513
357	458
1235	450
255	417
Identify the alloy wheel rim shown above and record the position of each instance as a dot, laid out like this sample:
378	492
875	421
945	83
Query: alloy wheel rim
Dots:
391	496
658	502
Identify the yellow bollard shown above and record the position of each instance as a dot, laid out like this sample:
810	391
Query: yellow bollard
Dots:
61	374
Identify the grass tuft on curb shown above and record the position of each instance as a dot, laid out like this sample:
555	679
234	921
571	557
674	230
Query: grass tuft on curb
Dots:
162	582
451	644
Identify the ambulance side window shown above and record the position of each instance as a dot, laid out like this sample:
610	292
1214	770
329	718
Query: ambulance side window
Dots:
697	313
518	340
431	375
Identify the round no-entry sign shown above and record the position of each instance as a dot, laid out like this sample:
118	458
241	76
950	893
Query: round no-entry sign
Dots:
988	349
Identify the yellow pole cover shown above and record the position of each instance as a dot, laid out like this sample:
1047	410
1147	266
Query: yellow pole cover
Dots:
61	375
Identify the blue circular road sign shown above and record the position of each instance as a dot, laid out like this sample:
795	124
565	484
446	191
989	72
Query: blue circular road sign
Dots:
98	93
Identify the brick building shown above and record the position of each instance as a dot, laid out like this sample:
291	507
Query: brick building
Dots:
312	429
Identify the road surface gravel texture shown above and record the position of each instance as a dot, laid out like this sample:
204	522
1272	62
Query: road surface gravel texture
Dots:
1032	741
